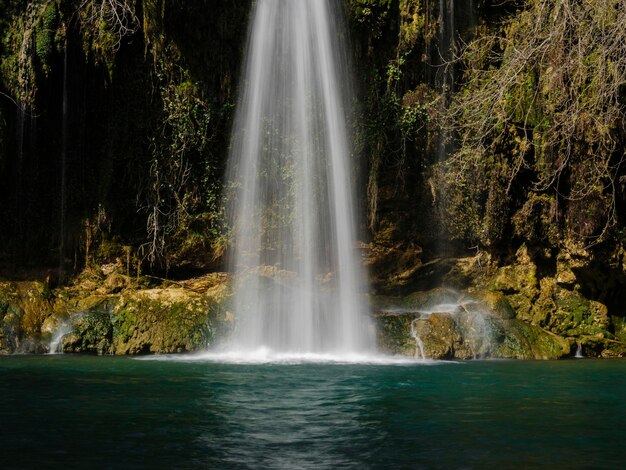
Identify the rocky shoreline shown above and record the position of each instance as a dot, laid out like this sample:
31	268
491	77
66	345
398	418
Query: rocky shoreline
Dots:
118	317
486	311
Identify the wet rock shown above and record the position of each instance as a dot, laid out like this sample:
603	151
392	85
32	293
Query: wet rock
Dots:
519	283
524	341
472	326
92	330
116	319
161	321
24	306
497	303
394	333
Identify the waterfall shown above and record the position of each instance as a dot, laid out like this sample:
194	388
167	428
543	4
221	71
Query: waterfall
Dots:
419	344
56	340
579	351
292	202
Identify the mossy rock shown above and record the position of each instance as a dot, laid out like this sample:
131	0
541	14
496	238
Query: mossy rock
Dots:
92	330
544	305
429	299
482	325
619	327
525	341
519	283
24	307
497	303
394	333
133	321
469	272
439	334
169	320
614	350
10	318
575	315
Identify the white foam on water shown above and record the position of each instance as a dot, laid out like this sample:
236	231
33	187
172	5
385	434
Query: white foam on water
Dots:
267	356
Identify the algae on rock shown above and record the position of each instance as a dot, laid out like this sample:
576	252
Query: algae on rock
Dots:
473	326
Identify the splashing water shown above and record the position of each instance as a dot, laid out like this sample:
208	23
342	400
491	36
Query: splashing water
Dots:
470	319
56	343
298	276
579	351
419	345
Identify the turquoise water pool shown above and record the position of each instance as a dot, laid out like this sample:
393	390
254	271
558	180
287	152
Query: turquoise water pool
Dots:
109	412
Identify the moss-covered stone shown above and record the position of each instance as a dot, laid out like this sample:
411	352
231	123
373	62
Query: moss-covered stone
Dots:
24	306
519	283
472	326
10	318
161	321
92	330
524	341
497	303
394	334
439	336
114	318
574	315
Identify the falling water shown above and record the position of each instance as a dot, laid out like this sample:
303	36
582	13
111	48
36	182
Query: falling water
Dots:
298	276
419	345
579	351
56	341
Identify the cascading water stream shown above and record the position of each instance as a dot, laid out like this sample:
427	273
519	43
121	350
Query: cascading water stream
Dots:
297	270
56	341
419	345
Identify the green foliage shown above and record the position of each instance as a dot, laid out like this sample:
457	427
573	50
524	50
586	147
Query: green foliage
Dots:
371	14
182	171
93	331
45	34
105	24
542	97
401	113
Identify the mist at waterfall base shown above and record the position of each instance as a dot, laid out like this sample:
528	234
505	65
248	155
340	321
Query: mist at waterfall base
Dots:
298	278
116	412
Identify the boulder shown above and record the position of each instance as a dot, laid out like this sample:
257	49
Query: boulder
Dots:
472	326
170	320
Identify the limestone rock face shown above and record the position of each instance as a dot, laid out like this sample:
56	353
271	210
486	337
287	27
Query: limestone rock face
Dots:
519	283
24	306
161	321
463	327
115	318
569	294
92	329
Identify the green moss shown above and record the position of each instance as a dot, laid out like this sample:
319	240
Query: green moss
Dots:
164	321
394	334
45	35
92	331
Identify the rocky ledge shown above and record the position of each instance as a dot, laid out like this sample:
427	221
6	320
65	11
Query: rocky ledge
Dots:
446	324
113	315
518	310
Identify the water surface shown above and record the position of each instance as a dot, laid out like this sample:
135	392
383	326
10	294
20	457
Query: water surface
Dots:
113	412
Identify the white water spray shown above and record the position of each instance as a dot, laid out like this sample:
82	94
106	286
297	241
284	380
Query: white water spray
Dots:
56	342
298	275
419	345
579	351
